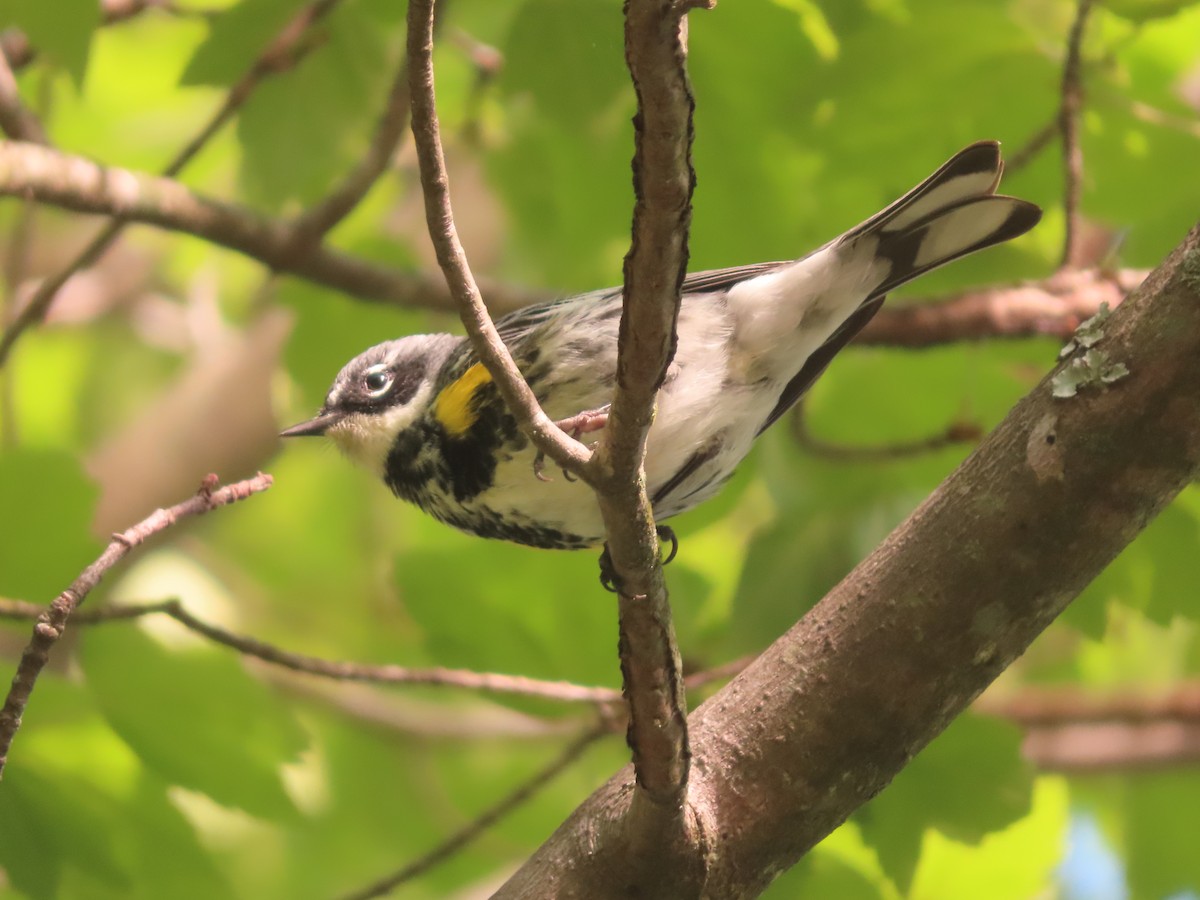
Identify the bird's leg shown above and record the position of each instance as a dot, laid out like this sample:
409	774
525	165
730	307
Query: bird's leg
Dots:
581	423
608	575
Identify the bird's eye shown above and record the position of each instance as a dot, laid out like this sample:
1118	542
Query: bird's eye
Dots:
377	380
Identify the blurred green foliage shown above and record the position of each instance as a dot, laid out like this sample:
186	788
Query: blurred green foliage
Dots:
152	764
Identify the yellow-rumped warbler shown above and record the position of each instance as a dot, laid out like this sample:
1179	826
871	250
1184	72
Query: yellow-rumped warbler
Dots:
423	413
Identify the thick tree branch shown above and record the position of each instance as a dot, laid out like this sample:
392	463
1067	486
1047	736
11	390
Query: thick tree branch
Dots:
828	715
53	620
548	437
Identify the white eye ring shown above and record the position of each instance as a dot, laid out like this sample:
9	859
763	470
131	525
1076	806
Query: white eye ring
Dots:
377	380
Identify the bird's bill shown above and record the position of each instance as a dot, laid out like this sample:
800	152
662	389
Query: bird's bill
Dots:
317	425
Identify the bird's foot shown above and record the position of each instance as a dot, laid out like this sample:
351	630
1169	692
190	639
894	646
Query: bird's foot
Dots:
608	574
581	423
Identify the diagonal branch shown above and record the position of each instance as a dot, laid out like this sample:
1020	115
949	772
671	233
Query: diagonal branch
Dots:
53	620
569	454
828	715
472	830
393	125
78	184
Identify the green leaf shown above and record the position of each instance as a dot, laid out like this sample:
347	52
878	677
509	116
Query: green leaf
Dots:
330	331
195	717
303	129
1145	10
78	811
48	504
563	169
968	782
50	820
815	26
533	614
1160	833
1019	861
842	865
237	36
1172	540
61	30
825	875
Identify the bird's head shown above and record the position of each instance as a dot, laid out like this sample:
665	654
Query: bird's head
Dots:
377	395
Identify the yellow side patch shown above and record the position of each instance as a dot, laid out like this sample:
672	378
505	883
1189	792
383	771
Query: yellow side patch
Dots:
453	405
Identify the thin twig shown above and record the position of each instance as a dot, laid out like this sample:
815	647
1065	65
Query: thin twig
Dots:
1033	147
1053	706
485	682
485	820
568	453
279	55
16	119
1072	106
53	620
718	673
393	124
1155	116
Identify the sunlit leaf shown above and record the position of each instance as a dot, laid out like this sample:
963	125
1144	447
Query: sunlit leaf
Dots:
48	494
195	717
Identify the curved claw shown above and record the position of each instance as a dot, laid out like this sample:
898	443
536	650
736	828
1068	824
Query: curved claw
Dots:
608	576
667	533
539	467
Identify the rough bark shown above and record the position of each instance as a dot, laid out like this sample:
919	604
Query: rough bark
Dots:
831	712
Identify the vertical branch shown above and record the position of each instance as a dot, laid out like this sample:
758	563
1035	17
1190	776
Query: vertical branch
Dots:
1068	123
663	180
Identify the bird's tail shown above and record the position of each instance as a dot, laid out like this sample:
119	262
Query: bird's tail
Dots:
838	288
953	212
